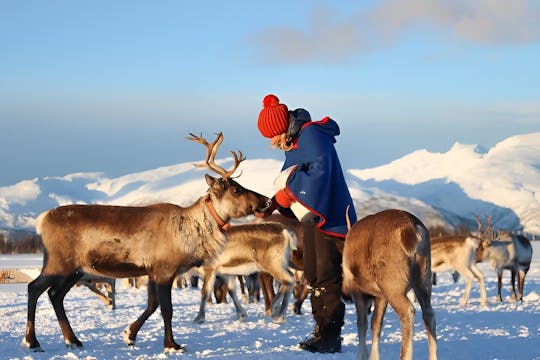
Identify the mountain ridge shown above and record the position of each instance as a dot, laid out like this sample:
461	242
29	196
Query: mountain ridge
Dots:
443	189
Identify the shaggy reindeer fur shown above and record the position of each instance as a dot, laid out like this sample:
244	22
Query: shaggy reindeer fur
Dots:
160	241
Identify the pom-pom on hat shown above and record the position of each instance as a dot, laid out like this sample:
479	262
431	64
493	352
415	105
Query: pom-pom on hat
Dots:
273	118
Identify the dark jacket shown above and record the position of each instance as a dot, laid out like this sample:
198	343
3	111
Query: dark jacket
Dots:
318	182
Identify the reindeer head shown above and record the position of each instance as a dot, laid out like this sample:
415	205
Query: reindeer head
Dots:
482	237
230	199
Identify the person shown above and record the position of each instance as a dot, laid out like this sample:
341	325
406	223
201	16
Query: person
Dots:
315	180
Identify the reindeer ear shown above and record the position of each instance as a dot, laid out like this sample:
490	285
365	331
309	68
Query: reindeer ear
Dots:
209	180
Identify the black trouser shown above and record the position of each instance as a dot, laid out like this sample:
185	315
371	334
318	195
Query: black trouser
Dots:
322	270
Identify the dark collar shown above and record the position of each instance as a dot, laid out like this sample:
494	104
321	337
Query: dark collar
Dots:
222	224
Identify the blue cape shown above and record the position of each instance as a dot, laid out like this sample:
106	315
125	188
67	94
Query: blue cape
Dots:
317	181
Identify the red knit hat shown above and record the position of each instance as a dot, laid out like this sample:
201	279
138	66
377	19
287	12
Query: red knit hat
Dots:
273	118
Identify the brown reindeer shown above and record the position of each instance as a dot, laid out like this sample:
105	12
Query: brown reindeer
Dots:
385	255
301	290
251	248
160	241
266	280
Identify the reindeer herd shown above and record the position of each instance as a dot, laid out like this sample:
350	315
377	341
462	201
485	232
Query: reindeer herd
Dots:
385	256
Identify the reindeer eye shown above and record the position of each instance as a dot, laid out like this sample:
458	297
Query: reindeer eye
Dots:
236	190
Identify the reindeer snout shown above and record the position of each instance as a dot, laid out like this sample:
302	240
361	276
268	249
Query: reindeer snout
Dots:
263	204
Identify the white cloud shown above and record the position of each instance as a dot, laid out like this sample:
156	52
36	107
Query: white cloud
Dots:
331	36
19	193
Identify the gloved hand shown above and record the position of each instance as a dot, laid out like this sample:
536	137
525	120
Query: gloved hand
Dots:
281	201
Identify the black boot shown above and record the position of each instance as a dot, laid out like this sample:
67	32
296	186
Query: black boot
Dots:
322	345
328	312
319	343
311	338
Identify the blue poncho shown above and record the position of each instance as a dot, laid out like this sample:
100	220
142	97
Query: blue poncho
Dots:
317	181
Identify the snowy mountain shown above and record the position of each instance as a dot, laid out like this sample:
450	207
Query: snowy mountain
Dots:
445	189
503	182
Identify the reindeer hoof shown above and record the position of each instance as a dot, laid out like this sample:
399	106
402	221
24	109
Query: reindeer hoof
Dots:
198	320
126	336
74	345
177	349
31	347
279	320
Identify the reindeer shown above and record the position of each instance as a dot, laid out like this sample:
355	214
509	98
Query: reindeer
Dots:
160	241
458	253
384	256
507	252
266	280
251	248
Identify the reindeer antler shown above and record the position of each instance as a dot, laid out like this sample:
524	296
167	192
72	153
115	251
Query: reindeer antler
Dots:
479	223
211	151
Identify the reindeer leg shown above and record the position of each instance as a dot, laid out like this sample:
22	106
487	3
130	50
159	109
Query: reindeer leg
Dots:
253	288
405	311
468	276
35	289
478	274
209	278
57	294
276	303
376	326
220	290
267	284
240	311
165	303
130	333
281	302
513	272
300	292
499	285
303	298
521	283
423	294
362	303
245	295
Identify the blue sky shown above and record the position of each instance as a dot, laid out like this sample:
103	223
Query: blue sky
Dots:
115	86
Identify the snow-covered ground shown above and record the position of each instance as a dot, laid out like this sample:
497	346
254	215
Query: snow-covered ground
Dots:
507	330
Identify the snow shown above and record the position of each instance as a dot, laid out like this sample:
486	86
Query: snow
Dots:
507	330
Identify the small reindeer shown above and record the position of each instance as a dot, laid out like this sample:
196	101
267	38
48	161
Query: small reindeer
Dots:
266	280
160	241
458	253
385	255
251	248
